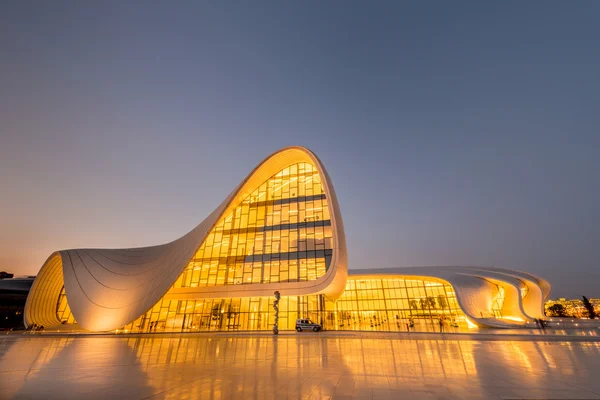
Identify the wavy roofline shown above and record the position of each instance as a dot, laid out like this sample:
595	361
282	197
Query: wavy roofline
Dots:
109	288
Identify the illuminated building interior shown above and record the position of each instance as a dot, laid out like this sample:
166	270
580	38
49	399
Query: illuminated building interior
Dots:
388	304
63	311
280	229
281	232
498	302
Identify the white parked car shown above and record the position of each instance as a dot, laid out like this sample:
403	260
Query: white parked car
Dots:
307	324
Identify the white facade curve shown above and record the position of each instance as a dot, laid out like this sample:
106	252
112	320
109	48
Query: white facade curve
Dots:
107	289
478	289
280	229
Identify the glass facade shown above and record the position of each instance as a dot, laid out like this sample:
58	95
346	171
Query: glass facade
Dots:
377	304
397	304
248	313
281	232
63	311
497	303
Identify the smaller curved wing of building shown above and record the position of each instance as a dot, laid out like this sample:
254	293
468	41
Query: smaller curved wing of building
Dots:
488	297
279	229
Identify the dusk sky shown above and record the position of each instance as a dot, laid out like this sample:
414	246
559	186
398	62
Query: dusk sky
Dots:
455	133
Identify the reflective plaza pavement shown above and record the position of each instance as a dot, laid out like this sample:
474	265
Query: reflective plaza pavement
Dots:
297	366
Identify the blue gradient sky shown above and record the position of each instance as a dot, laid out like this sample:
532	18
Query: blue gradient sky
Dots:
455	132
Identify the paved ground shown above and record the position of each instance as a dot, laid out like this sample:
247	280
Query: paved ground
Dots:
299	366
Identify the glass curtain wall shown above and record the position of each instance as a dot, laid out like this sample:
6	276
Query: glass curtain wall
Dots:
250	313
281	232
63	311
394	304
389	304
367	305
497	303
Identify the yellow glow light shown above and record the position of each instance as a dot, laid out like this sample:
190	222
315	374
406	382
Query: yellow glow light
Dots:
513	319
470	324
285	184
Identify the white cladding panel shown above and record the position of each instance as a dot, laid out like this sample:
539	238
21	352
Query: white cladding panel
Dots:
107	289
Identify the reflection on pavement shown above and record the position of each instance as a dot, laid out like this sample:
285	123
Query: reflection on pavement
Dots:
293	366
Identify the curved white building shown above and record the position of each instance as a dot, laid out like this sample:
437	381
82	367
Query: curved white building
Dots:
280	229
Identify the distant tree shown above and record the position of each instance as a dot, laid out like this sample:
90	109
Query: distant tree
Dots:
5	275
413	304
442	301
557	310
423	304
431	301
216	312
589	307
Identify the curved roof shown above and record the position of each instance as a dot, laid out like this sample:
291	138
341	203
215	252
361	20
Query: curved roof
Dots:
475	288
109	288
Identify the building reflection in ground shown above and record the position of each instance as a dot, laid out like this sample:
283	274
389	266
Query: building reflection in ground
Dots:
293	366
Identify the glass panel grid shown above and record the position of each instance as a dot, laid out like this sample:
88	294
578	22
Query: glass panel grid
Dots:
281	232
